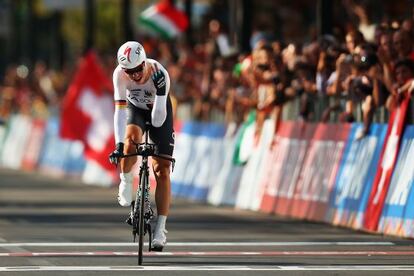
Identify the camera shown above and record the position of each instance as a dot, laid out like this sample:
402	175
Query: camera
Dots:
360	87
365	61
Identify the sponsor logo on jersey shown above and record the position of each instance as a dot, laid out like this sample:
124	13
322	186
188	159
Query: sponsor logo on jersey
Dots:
147	93
140	100
138	91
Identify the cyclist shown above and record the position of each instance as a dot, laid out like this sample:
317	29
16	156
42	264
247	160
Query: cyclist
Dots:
141	87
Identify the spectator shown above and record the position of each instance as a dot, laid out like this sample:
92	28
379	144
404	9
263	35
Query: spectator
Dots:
212	83
404	77
366	86
403	44
265	81
386	55
303	86
353	39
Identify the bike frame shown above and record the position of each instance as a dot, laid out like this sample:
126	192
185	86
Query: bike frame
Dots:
139	222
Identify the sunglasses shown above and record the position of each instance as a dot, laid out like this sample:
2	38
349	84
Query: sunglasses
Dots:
137	69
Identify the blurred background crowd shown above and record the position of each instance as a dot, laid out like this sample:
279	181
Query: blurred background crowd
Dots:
353	67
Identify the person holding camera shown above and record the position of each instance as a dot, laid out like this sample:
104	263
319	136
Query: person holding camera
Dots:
366	85
268	87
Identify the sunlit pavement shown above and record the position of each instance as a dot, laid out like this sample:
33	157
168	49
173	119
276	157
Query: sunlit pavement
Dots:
50	226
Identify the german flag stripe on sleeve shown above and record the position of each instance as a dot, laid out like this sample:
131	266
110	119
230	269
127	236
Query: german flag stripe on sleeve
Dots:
121	103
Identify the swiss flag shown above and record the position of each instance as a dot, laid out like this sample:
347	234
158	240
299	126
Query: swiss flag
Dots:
87	111
386	166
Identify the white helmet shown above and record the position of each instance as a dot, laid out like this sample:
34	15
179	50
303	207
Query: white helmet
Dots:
131	54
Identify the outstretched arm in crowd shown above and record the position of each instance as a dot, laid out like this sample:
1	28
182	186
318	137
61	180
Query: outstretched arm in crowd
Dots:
386	62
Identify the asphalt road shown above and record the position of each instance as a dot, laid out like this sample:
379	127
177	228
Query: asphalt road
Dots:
50	226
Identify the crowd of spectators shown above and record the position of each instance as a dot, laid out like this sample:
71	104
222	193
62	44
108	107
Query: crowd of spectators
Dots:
364	73
332	78
35	93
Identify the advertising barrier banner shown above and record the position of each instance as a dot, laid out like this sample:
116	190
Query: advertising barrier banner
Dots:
291	169
317	177
208	160
283	163
34	144
16	141
224	190
75	161
199	158
353	183
398	213
386	166
183	150
53	155
250	190
3	135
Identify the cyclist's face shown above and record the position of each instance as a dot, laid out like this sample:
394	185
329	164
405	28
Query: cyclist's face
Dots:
137	73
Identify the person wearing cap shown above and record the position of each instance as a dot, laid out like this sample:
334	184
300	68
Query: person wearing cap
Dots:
141	87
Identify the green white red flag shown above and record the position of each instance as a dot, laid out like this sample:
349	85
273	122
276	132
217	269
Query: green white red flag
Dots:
164	19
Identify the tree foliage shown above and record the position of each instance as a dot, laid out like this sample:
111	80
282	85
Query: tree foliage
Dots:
107	31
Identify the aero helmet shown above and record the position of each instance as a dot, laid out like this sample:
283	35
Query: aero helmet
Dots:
131	54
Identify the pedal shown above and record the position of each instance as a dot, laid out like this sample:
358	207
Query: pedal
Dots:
129	220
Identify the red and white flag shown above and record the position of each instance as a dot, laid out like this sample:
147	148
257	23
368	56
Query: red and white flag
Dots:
87	112
164	19
386	166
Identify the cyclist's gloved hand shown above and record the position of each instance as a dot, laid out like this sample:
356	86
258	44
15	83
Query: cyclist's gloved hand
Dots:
159	82
116	154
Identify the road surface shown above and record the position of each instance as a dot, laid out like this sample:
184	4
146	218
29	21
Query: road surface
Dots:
50	226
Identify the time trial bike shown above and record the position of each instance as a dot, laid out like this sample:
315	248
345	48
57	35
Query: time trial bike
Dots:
141	212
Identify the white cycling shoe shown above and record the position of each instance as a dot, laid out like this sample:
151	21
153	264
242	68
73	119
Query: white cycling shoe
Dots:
159	241
125	190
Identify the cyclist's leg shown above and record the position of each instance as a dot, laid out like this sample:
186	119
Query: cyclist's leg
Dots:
161	169
164	138
133	135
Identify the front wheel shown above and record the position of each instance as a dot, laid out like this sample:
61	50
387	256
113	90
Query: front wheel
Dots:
141	231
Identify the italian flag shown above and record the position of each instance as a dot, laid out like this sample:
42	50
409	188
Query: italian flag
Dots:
164	19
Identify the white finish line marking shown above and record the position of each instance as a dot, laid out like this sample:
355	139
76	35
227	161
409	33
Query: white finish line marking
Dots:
205	268
184	244
211	253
